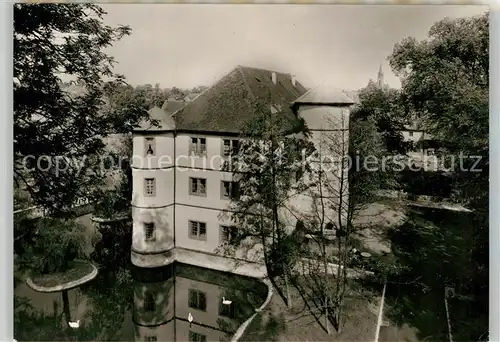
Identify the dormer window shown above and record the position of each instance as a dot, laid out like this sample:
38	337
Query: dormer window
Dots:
150	146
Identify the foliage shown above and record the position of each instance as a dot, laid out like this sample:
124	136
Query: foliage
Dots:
445	80
65	124
383	106
267	159
50	251
112	248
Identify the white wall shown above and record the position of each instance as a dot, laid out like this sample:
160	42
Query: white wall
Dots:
163	219
213	220
164	180
208	208
164	151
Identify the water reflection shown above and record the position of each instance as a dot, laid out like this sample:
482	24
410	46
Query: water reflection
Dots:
150	305
218	303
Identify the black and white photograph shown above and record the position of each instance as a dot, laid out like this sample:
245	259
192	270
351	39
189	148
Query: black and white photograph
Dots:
251	172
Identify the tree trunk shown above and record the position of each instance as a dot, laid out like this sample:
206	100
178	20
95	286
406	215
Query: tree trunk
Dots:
327	323
67	314
287	289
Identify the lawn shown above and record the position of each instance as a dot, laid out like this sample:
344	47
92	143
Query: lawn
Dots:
77	270
304	323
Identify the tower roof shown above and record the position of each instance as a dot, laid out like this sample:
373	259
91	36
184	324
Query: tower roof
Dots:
325	95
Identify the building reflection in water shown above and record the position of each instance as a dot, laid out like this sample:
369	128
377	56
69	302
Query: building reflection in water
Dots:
218	303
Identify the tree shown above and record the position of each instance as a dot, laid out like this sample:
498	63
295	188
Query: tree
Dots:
59	130
384	106
267	157
445	79
340	191
45	254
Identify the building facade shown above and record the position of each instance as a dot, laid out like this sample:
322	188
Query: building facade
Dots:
181	195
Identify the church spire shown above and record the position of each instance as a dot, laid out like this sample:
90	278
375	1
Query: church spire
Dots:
380	77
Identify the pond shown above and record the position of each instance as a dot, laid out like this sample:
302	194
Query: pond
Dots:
174	303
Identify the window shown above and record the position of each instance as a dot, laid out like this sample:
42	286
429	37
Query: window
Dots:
230	147
150	146
197	300
329	226
197	230
149	231
150	339
149	302
411	134
196	337
226	310
228	233
230	190
149	187
197	186
198	146
430	152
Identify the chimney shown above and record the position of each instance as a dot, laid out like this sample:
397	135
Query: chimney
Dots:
273	77
294	80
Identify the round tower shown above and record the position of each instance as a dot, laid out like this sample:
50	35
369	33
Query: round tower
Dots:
153	177
326	112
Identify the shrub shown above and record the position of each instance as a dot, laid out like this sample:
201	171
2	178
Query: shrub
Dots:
55	245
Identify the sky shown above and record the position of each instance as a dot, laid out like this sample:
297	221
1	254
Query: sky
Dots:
186	45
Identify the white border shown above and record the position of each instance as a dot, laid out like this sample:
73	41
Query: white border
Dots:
494	196
6	172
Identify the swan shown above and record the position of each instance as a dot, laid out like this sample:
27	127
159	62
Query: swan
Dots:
74	325
226	301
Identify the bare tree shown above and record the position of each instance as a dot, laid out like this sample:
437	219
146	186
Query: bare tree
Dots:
342	188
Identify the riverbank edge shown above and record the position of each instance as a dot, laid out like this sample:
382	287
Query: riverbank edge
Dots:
242	328
65	286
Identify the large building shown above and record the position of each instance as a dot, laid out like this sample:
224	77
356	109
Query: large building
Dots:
180	194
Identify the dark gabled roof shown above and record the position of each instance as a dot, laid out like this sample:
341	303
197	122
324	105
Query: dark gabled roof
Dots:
229	104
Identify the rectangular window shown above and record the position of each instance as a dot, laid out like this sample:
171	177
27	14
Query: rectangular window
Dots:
226	310
197	300
230	147
150	146
197	186
197	337
149	187
149	231
198	147
198	230
228	233
411	134
230	190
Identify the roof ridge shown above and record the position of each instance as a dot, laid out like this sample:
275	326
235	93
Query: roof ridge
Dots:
262	69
